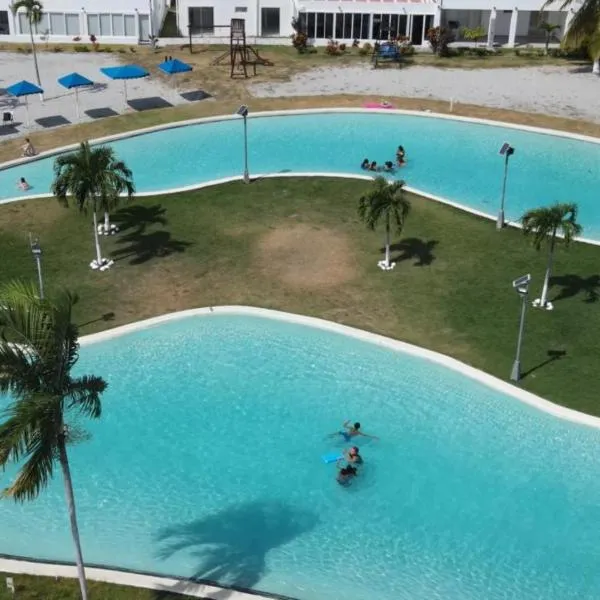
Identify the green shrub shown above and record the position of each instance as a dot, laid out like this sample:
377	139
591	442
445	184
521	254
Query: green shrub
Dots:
439	38
122	51
57	49
80	48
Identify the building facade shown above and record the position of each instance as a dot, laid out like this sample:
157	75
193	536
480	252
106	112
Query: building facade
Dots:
506	22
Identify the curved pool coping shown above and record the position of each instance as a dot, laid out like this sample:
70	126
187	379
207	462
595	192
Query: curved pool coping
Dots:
279	113
211	591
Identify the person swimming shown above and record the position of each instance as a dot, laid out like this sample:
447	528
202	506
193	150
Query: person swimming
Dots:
353	456
365	164
351	431
23	185
373	166
400	155
346	475
389	166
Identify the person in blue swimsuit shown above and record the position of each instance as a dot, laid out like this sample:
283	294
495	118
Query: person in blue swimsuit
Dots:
351	431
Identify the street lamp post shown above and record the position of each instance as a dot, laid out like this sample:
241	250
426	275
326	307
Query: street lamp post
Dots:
243	112
522	286
36	250
507	151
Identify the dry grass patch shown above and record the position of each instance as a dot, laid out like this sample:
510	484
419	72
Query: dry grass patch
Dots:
307	258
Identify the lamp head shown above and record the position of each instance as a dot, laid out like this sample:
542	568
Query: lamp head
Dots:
242	111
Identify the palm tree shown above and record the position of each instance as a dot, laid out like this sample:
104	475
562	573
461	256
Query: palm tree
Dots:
548	29
583	28
95	178
385	201
34	11
544	224
38	349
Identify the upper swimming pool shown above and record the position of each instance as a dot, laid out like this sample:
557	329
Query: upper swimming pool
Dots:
207	463
456	160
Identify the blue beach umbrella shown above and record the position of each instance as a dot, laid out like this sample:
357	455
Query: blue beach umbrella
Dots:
125	72
174	66
75	81
24	89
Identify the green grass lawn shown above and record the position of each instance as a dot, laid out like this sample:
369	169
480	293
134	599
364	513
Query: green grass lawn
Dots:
49	588
297	245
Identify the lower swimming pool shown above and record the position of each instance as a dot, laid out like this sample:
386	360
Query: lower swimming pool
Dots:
207	463
456	160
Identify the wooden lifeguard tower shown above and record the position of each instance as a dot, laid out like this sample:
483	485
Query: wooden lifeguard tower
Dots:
240	55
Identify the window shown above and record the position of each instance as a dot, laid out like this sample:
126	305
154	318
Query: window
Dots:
118	27
93	25
269	21
366	28
23	23
105	28
57	24
339	27
310	25
4	29
347	26
72	22
202	19
130	25
328	25
320	33
241	9
44	25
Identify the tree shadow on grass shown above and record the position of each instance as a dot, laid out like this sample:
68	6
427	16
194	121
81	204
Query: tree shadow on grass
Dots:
139	217
231	546
414	249
572	285
142	247
106	317
553	356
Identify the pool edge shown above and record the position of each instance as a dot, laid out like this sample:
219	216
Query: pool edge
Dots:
556	410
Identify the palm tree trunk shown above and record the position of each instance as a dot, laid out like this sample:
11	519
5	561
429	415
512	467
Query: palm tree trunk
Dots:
544	298
64	463
596	67
97	241
106	223
387	240
34	52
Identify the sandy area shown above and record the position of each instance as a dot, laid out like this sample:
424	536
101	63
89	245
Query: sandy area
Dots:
551	90
58	107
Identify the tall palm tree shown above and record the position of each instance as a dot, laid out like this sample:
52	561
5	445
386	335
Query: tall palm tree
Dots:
385	201
584	27
96	179
544	224
38	349
34	11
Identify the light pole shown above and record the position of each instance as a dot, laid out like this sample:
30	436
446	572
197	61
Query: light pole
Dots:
522	286
36	250
243	112
507	151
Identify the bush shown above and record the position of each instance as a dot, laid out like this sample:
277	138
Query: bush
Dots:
439	38
122	51
333	48
355	43
299	37
343	47
57	49
558	53
406	48
365	49
80	48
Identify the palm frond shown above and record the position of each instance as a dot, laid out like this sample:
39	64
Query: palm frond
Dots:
544	223
585	23
83	394
382	200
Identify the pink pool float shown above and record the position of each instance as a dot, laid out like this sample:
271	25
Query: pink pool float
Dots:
382	104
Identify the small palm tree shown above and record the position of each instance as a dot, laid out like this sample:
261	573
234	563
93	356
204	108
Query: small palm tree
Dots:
385	201
96	180
544	224
34	11
38	349
548	29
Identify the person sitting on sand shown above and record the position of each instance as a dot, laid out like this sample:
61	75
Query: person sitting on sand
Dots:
365	164
28	149
23	185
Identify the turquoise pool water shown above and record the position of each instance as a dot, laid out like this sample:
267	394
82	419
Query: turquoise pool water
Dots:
456	160
207	463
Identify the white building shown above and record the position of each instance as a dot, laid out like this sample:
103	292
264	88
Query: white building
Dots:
508	22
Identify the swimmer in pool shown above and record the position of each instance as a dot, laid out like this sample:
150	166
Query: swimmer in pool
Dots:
351	431
346	475
353	456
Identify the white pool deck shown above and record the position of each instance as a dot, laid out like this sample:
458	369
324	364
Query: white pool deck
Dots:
424	114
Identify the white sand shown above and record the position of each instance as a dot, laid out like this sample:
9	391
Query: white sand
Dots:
107	97
551	90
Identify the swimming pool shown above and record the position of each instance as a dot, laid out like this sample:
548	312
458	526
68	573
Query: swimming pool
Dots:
207	462
456	160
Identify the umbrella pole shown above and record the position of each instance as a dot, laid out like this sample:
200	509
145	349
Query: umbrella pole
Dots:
125	91
27	112
77	104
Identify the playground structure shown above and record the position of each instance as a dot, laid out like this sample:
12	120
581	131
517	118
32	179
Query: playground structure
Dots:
386	53
240	55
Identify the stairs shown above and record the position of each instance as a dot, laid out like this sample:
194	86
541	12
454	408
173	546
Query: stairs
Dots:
169	27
